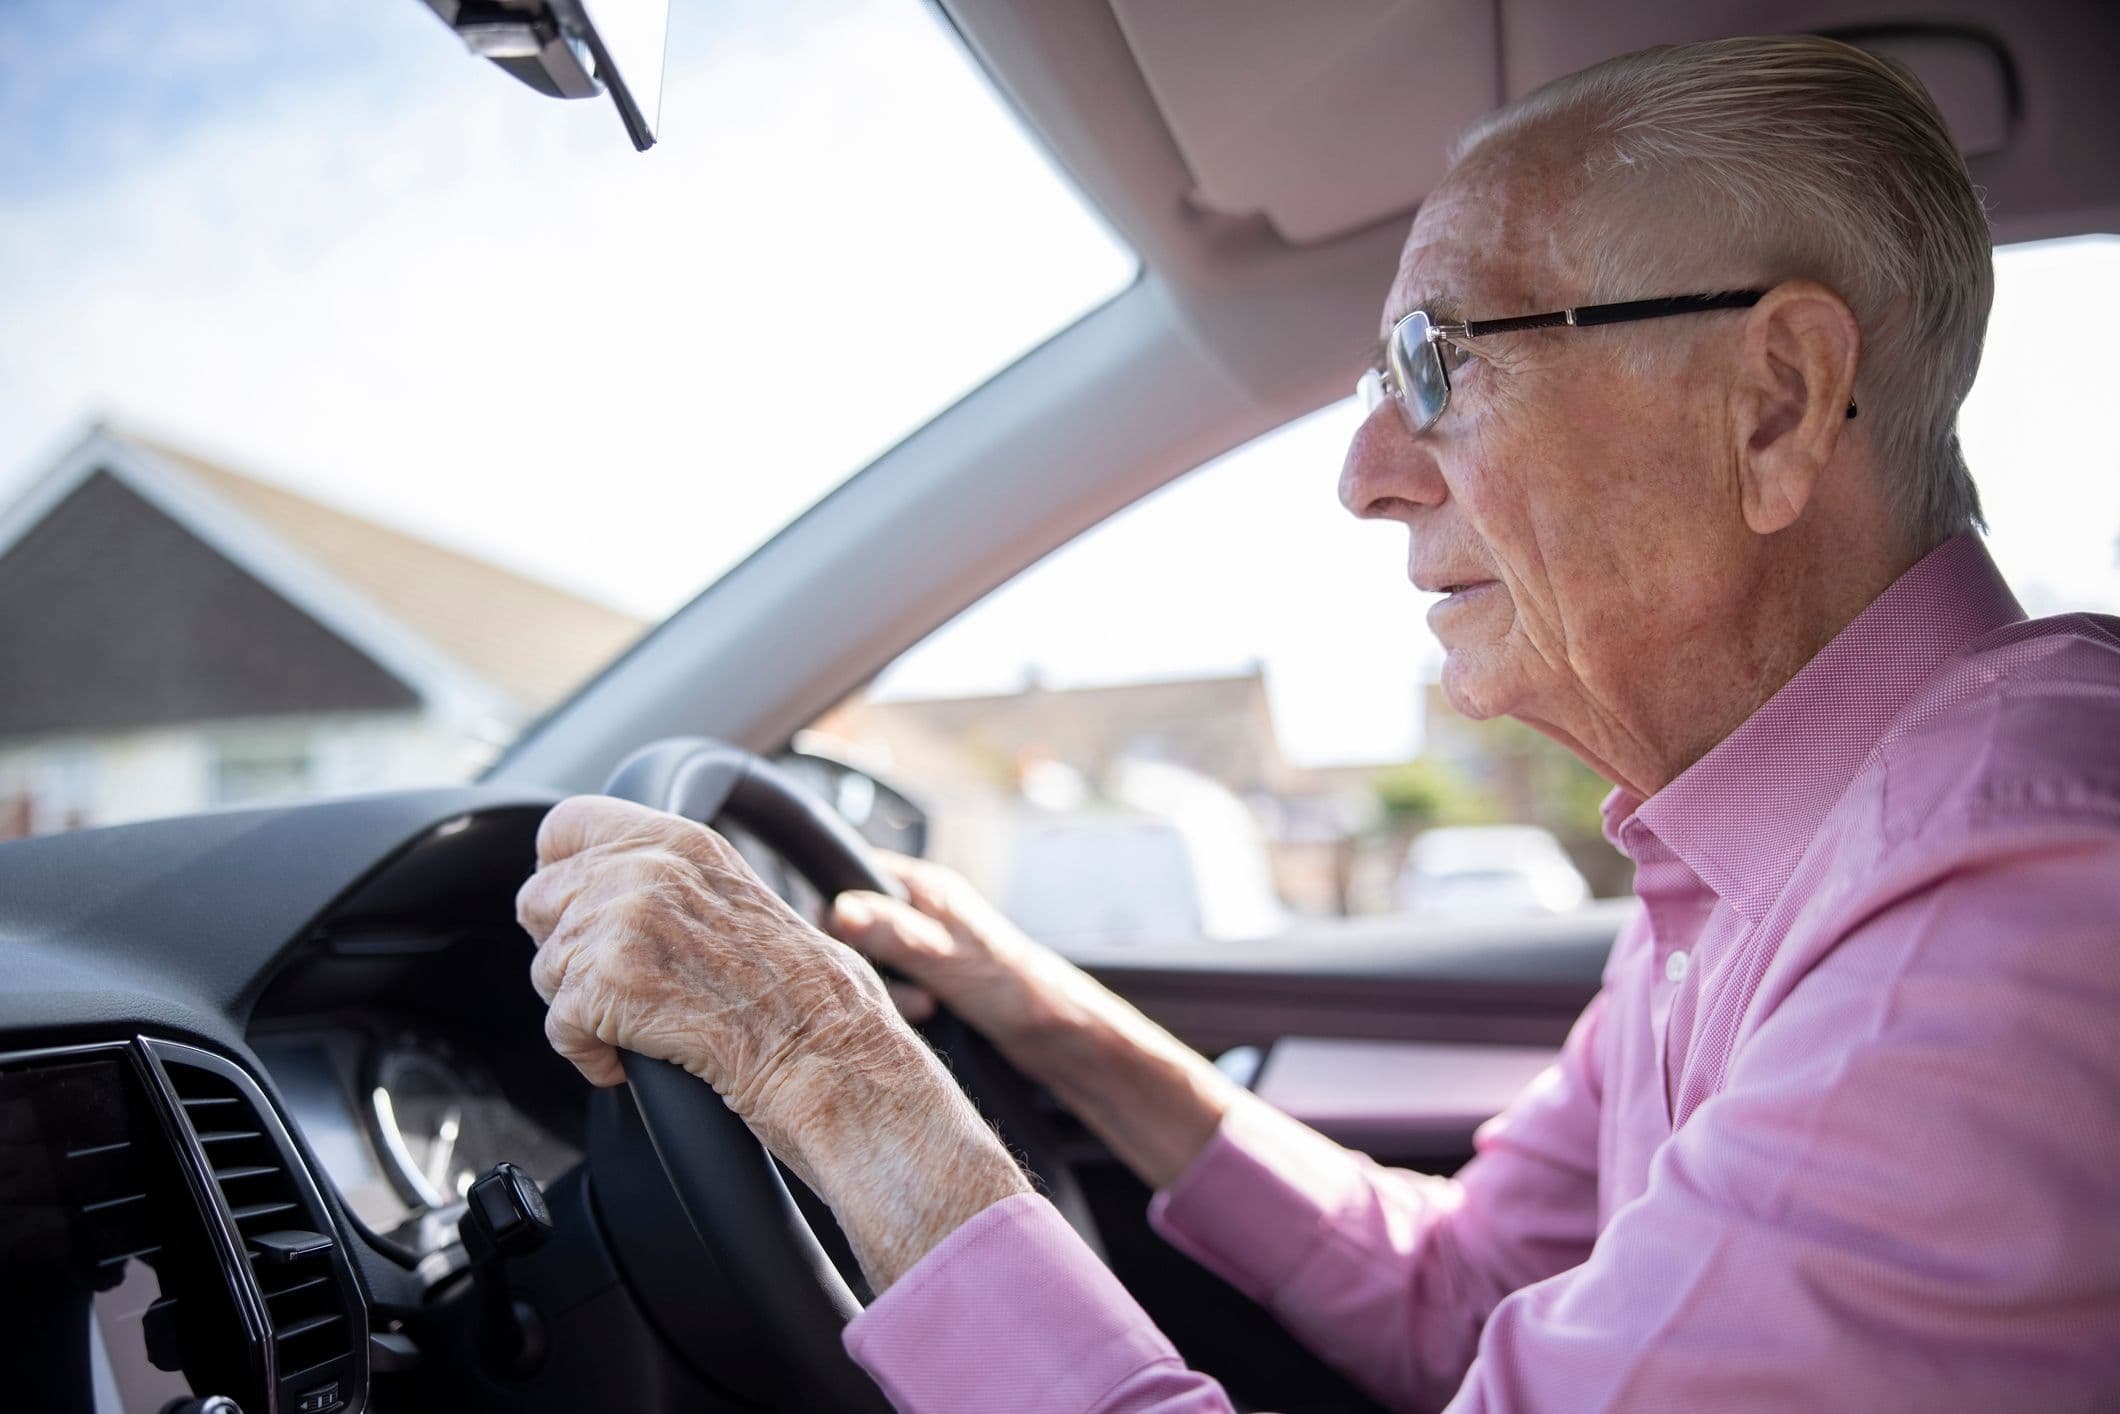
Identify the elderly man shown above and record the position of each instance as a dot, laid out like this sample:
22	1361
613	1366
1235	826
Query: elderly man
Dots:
1842	1128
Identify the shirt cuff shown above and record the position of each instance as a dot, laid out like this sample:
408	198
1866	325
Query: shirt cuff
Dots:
1256	1201
1008	1311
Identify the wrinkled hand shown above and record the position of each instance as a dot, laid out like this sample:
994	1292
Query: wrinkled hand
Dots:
954	946
653	935
1147	1094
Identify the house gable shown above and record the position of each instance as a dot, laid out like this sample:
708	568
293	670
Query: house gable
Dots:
114	615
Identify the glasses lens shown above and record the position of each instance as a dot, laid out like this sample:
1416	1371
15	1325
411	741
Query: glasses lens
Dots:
1417	364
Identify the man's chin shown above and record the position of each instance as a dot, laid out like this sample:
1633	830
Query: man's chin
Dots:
1472	683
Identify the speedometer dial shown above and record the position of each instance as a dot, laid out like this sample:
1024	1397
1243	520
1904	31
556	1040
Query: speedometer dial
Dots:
440	1119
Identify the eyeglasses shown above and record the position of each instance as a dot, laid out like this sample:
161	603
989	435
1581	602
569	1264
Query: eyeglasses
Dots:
1412	369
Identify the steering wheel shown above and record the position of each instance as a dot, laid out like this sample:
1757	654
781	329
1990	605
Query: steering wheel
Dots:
727	1183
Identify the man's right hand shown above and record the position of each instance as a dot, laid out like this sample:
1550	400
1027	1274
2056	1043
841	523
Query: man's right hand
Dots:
954	947
1154	1100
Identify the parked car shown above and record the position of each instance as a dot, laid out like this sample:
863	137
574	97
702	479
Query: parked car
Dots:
1174	856
1488	871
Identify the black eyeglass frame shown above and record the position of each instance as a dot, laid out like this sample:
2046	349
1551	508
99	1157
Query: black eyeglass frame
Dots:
1387	378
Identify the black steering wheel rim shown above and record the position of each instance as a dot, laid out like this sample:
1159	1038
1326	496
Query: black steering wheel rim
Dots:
728	1185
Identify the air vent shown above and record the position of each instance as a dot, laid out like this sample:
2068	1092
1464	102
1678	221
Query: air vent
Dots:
282	1228
101	1236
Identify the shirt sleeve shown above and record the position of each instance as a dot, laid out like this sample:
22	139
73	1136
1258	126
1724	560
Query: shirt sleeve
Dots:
1385	1274
1012	1311
1904	1196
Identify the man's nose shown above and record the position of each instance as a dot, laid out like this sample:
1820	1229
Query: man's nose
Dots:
1388	470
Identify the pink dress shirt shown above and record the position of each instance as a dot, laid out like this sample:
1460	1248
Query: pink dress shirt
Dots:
1840	1131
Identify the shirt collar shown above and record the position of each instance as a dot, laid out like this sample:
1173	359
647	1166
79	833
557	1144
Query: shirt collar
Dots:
1742	816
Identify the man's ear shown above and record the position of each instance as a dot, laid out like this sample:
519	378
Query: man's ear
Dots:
1795	383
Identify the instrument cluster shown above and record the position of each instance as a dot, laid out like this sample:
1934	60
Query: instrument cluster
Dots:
402	1121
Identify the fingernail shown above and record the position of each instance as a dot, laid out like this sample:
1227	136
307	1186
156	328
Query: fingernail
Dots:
855	913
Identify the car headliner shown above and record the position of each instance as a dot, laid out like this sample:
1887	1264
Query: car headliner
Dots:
1242	318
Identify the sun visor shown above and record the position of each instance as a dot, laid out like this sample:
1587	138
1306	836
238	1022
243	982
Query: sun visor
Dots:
1967	76
1323	117
1969	73
1327	116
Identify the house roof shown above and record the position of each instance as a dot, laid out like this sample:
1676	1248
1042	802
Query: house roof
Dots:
118	617
1222	726
534	642
465	637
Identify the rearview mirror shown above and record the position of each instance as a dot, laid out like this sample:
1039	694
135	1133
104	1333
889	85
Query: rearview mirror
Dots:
574	49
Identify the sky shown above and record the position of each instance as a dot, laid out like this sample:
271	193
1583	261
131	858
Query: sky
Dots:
322	243
379	270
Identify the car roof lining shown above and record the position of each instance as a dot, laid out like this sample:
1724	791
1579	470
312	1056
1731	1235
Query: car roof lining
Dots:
1248	145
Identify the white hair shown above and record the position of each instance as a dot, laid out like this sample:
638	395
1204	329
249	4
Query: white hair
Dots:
1785	157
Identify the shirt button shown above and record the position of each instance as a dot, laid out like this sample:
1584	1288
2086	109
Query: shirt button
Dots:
1675	967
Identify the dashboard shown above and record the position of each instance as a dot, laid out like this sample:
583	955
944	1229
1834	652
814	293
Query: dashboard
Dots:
251	1064
402	1121
251	1061
403	1037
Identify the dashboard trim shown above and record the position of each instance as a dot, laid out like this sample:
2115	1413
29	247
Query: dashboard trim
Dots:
213	1213
137	1053
159	1053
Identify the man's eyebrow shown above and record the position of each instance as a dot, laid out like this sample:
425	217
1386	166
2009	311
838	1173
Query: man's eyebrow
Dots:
1442	308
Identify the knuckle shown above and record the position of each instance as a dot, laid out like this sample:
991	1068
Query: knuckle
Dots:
637	912
665	864
689	843
529	900
570	1022
549	968
935	888
925	935
560	1030
557	830
650	878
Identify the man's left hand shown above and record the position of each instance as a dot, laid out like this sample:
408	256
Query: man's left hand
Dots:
654	936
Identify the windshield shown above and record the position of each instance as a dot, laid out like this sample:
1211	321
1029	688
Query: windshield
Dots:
357	403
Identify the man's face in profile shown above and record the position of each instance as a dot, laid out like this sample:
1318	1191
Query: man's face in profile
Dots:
1584	503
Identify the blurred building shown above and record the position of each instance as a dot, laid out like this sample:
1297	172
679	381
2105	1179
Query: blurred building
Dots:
1221	727
1014	781
1525	778
996	770
176	635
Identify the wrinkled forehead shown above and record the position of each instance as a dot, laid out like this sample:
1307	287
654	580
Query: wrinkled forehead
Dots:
1490	239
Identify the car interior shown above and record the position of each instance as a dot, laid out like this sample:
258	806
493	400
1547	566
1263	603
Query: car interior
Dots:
278	1118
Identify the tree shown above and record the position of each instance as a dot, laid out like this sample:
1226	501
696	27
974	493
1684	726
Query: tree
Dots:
1422	793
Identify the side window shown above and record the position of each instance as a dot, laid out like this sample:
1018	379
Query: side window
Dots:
1216	713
